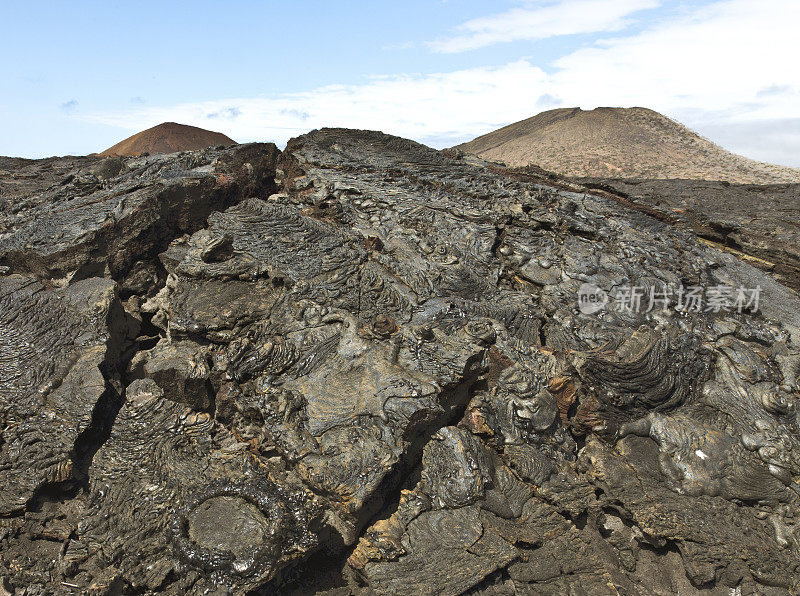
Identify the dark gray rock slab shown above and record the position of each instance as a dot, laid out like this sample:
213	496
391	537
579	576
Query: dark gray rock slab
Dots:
374	376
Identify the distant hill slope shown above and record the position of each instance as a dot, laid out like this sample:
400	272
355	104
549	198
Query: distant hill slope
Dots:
169	137
620	143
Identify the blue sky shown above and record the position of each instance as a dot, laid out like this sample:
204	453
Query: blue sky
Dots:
79	76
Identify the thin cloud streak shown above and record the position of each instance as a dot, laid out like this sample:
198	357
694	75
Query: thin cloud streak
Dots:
568	17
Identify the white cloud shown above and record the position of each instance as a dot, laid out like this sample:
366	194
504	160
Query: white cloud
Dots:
438	109
773	141
567	17
730	64
721	57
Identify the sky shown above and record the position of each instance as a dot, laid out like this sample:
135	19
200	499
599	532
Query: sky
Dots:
79	76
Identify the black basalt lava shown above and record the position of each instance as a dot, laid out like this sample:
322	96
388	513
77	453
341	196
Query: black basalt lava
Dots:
359	366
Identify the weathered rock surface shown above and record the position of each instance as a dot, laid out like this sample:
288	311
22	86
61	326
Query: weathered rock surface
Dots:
378	381
93	216
759	223
56	346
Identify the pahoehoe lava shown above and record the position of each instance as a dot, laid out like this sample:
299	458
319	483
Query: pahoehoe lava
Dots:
358	366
